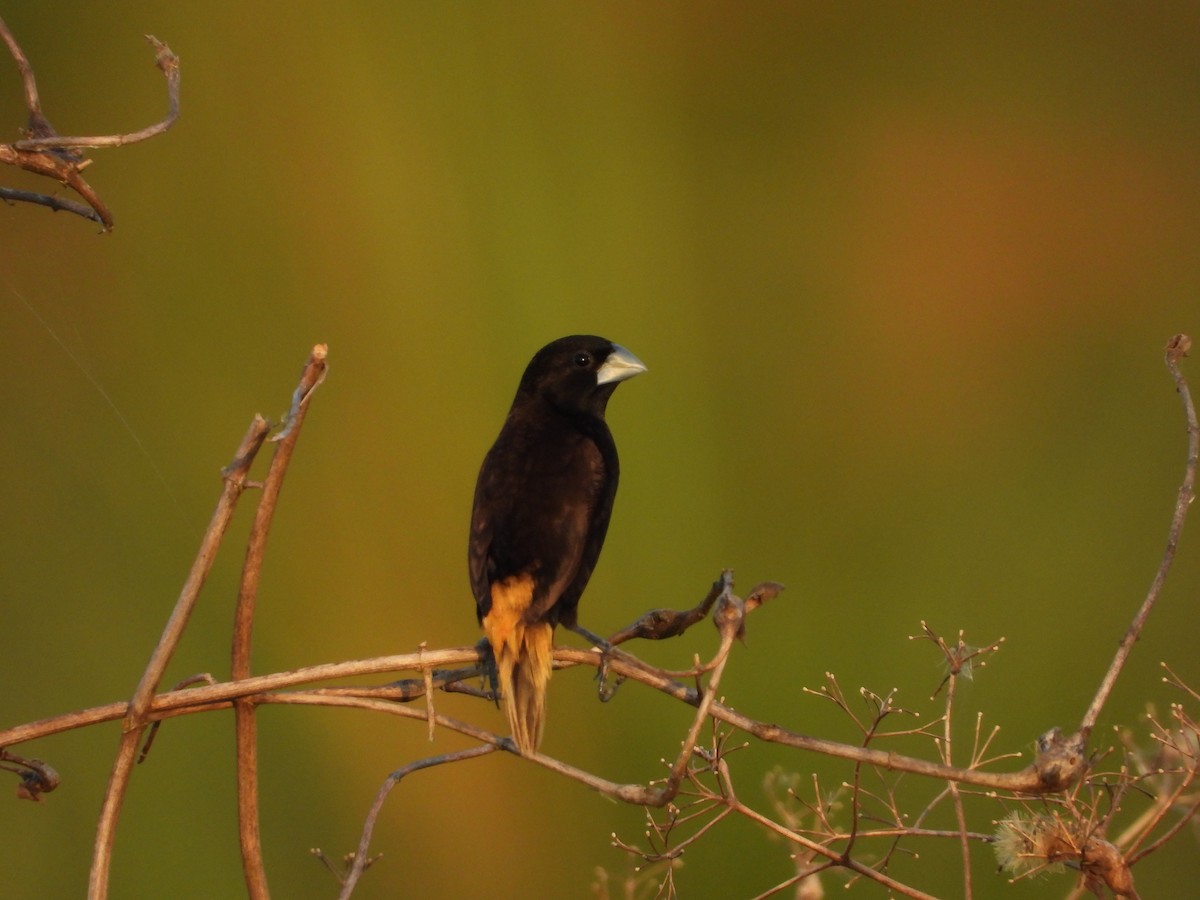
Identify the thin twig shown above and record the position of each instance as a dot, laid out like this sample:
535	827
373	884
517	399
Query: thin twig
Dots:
637	794
45	152
56	204
51	164
955	795
135	719
246	731
182	702
235	476
730	621
152	731
364	842
841	859
1176	349
203	698
110	812
32	102
168	64
1026	780
1167	835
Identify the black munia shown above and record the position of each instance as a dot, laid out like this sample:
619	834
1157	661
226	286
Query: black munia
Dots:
542	505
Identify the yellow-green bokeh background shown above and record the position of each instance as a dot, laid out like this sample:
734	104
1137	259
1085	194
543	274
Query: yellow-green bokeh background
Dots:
901	274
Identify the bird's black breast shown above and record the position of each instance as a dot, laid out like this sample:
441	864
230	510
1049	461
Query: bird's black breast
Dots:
542	506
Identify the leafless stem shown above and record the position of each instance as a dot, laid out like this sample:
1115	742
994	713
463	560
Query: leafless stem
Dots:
1176	349
955	795
45	152
364	842
57	204
135	714
234	476
729	618
174	703
32	102
168	64
839	858
246	730
1187	817
203	698
1027	780
136	719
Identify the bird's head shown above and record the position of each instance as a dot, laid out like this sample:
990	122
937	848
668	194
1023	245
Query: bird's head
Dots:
579	373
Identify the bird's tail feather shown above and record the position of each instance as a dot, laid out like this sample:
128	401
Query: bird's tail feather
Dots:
523	653
523	664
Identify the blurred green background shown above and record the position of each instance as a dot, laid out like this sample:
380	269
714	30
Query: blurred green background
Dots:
902	274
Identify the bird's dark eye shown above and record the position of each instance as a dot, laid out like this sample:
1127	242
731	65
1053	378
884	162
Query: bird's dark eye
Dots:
582	359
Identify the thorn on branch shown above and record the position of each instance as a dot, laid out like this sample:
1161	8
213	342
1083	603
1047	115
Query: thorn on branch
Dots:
152	733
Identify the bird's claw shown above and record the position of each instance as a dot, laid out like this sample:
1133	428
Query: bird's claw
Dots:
606	689
487	664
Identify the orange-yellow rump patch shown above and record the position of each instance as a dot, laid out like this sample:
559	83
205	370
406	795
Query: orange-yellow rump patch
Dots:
524	655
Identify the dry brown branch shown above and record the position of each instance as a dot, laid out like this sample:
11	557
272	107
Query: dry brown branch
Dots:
1061	808
46	153
1176	349
152	731
243	625
361	859
135	719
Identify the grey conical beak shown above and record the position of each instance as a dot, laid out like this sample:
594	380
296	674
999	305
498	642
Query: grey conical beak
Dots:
619	365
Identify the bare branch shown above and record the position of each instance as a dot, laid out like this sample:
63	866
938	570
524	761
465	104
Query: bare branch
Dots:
135	720
1176	349
168	64
243	627
361	857
1064	805
57	204
45	152
183	702
37	122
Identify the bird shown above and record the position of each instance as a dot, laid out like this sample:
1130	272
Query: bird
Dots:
542	505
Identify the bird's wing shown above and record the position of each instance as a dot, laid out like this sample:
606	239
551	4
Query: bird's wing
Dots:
586	523
574	526
478	551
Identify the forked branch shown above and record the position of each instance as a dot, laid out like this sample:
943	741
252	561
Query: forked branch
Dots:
46	153
697	782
